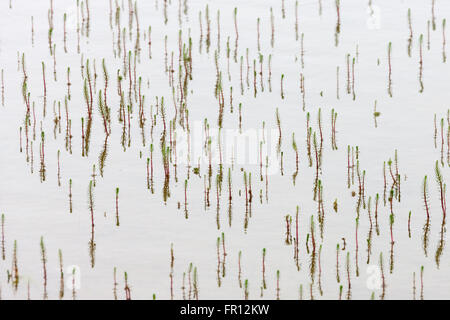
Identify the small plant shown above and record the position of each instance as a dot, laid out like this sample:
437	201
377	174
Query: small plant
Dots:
61	274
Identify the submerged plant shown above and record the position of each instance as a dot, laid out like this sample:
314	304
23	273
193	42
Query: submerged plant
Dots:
44	267
92	244
442	189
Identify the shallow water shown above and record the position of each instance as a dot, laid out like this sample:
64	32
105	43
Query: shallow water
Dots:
141	244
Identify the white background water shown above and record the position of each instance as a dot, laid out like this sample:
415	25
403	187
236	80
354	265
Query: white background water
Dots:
141	245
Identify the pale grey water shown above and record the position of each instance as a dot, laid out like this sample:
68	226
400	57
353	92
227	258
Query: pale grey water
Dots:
141	245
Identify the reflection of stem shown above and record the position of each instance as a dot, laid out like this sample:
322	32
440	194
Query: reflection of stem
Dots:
338	23
383	283
44	267
349	290
421	283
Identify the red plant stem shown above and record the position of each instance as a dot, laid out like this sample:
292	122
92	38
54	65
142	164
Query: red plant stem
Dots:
129	76
313	244
239	269
338	11
317	171
394	180
127	293
392	235
151	165
105	124
20	140
90	102
171	273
